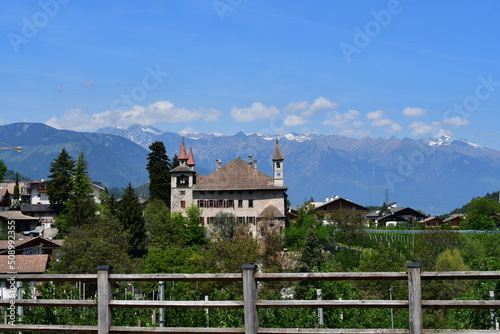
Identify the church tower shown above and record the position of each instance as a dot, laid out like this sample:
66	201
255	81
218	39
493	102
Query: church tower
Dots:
278	165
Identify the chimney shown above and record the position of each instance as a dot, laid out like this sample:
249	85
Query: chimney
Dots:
218	164
255	163
250	159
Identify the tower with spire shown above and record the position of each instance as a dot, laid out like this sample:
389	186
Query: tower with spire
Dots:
183	179
278	165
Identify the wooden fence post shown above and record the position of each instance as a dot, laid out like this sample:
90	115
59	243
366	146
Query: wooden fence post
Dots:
415	298
250	299
104	294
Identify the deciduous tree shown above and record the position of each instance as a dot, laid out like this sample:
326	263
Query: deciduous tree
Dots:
481	213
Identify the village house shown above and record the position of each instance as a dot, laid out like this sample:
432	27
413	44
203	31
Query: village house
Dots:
25	245
333	205
454	220
35	192
432	222
237	188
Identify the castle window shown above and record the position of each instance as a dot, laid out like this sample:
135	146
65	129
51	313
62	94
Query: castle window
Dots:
200	203
250	203
211	203
221	203
230	203
183	192
278	164
183	204
240	203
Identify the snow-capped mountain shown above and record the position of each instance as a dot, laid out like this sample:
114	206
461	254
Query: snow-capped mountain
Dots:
447	141
435	175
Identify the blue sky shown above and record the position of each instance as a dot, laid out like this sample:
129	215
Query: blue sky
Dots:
404	68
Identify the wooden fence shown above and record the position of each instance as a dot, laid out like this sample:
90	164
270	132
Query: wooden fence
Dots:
251	304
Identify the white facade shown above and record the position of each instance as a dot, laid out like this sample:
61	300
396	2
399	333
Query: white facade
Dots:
238	188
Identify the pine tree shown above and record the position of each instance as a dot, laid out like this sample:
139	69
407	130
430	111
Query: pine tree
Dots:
159	172
80	207
60	183
130	215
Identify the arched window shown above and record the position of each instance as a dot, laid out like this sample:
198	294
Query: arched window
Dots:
182	181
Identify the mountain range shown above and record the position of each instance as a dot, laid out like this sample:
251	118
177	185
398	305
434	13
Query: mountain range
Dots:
435	175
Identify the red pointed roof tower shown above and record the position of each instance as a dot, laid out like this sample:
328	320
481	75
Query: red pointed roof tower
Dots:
190	160
182	154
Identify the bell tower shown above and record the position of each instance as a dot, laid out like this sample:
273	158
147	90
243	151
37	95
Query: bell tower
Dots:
278	165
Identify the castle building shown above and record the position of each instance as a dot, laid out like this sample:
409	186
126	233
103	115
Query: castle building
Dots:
237	187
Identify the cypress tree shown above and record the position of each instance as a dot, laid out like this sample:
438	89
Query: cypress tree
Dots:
159	172
60	183
3	169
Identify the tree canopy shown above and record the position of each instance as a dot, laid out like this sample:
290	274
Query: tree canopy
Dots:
481	214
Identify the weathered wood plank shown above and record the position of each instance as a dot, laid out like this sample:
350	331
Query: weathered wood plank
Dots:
176	304
50	302
431	275
332	303
236	277
330	331
174	330
473	304
50	277
48	328
333	276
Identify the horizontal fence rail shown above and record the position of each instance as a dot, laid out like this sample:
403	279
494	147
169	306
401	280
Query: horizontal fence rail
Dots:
249	279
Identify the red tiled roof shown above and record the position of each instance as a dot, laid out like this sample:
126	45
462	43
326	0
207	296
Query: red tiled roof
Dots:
182	153
24	264
236	175
190	161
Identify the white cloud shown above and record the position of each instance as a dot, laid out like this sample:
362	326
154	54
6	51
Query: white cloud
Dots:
339	120
357	124
307	109
394	128
422	128
377	114
256	112
294	120
414	112
456	121
382	122
160	111
319	105
378	120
